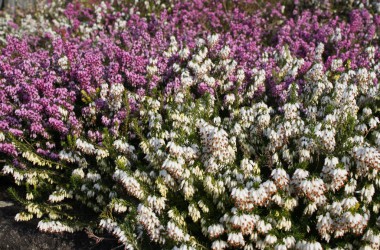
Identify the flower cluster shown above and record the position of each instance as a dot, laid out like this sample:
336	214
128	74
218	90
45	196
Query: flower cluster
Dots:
198	124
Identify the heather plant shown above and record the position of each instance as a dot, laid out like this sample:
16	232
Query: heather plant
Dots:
196	125
248	175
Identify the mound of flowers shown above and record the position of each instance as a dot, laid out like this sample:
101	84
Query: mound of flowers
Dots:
197	124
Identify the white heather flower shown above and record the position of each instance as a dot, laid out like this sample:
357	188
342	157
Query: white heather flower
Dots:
376	208
66	156
194	212
176	68
373	122
156	203
240	195
336	64
260	244
325	226
59	195
304	155
349	202
210	81
23	216
236	221
63	62
326	136
101	154
29	196
367	111
93	176
123	147
270	239
368	156
319	51
7	170
215	231
350	187
248	247
291	111
290	242
200	42
119	207
85	147
179	97
278	200
284	224
174	232
152	68
173	48
188	190
305	245
280	177
367	193
263	227
90	193
33	158
280	247
61	110
216	147
249	167
2	137
240	75
131	185
184	53
373	238
97	186
337	35
184	247
235	239
115	96
219	245
212	40
114	228
225	52
150	222
186	79
108	224
174	167
299	175
229	99
54	227
78	172
203	206
310	208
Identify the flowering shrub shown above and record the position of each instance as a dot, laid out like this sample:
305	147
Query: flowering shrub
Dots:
196	125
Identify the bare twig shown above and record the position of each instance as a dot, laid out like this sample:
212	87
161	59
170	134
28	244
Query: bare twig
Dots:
97	239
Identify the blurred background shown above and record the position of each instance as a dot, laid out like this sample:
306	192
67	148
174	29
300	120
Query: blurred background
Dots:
11	5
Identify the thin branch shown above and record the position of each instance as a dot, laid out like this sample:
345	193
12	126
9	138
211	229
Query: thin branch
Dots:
97	239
